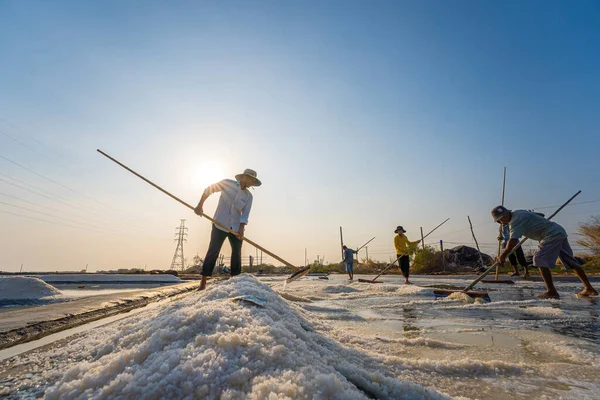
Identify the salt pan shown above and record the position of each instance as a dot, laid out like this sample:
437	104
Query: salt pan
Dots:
206	346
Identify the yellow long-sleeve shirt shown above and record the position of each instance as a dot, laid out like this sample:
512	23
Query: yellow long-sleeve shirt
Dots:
401	243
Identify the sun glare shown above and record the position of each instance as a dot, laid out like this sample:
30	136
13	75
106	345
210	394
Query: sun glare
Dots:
207	173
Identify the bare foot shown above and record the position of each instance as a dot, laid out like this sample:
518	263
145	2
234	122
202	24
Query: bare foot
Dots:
202	284
407	283
587	293
549	295
515	274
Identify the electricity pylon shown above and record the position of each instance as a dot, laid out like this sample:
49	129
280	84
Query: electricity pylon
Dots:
180	234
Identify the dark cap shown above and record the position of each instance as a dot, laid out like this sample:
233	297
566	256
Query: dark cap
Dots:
498	212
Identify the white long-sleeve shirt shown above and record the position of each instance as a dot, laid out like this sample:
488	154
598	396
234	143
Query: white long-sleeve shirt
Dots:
234	204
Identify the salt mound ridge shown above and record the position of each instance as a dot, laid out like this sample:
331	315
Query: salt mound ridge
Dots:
208	346
25	288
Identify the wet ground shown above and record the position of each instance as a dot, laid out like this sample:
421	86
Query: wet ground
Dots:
514	347
544	347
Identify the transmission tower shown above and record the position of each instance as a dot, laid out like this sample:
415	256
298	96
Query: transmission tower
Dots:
180	234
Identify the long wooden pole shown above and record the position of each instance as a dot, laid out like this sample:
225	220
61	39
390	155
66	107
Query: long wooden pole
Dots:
342	242
275	256
475	239
487	271
443	258
500	228
365	244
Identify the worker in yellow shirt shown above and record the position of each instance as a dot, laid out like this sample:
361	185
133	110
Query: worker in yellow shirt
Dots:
403	247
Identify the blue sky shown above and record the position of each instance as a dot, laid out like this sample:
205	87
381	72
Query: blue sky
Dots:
361	114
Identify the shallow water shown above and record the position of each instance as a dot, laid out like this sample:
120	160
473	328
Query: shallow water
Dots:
542	347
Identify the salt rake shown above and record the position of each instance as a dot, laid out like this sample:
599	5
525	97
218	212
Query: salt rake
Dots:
300	272
444	293
390	265
503	281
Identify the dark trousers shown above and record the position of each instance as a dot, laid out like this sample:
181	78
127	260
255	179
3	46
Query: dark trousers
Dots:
518	257
403	262
217	237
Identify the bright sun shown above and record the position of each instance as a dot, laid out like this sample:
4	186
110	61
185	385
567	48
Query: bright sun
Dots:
208	172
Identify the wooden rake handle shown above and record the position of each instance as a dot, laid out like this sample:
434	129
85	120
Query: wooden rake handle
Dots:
275	256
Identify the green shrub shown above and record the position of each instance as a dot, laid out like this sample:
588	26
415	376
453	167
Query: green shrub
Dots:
592	266
427	261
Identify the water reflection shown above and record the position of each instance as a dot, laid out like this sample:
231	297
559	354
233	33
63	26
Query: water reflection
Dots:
410	319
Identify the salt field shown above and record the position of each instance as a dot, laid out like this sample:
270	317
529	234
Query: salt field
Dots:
24	291
333	338
516	346
152	151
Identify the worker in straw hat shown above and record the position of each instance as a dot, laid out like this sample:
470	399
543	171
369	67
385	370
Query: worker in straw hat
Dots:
403	247
553	244
232	211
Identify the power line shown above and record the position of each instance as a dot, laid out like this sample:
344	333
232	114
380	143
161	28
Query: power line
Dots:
58	199
59	184
78	169
50	222
50	180
33	203
41	194
23	144
87	222
568	205
54	216
62	164
33	186
441	235
7	122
